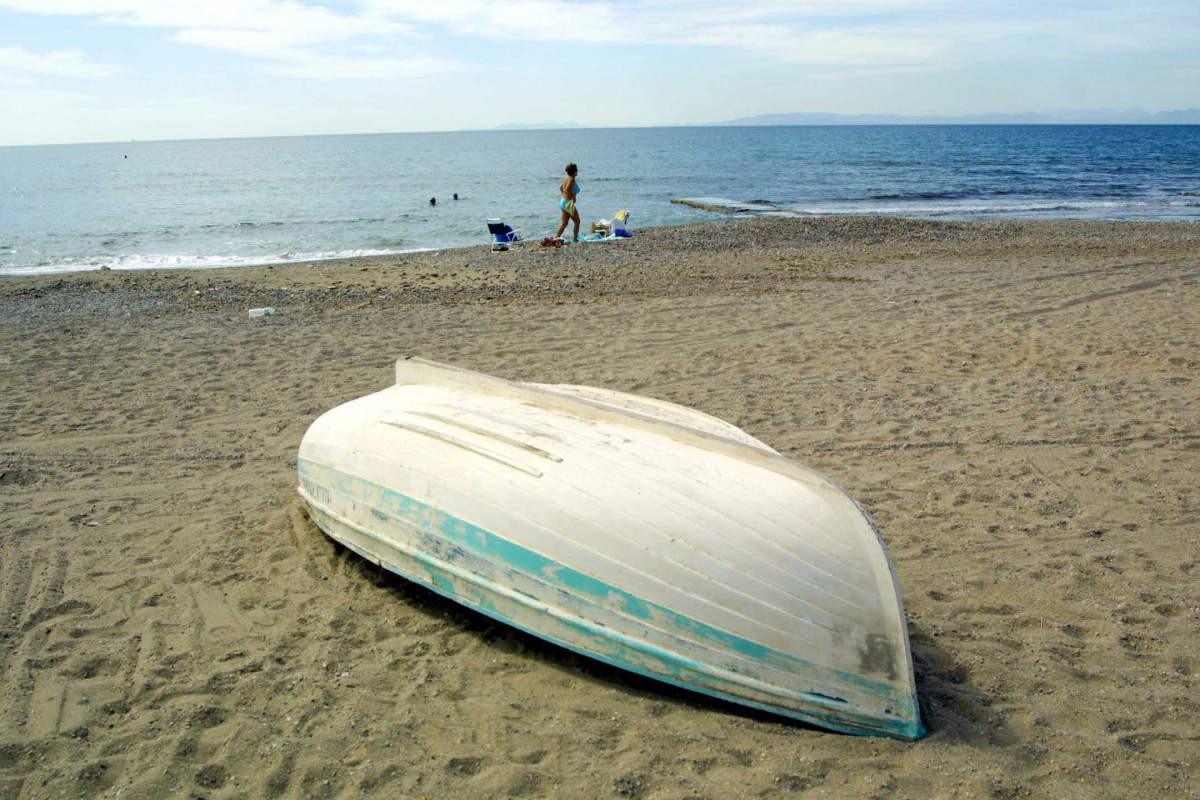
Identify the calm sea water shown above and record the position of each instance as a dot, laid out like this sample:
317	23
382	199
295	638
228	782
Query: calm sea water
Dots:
255	201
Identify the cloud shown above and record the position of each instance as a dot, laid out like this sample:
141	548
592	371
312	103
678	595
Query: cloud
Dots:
522	20
815	32
291	56
833	48
358	68
289	16
55	63
797	31
273	45
290	37
305	38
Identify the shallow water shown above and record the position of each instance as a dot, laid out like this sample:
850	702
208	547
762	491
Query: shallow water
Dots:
234	202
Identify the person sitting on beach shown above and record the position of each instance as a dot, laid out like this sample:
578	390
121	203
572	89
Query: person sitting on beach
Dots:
568	189
612	227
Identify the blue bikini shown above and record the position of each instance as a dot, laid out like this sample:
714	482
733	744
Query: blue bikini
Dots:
565	202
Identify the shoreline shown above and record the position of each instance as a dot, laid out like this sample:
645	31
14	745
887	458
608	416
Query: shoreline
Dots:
1015	404
887	236
889	223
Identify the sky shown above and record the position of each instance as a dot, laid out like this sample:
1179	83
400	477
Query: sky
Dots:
116	70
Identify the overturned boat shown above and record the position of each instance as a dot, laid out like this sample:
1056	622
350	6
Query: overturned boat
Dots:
643	534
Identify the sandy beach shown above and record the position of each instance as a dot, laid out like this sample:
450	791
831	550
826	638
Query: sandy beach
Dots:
1016	404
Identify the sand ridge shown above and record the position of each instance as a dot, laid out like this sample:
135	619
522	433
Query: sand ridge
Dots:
1014	403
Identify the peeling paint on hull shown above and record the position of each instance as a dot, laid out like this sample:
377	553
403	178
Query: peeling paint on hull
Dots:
444	562
646	535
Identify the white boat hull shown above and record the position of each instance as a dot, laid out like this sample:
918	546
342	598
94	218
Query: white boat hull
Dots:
639	533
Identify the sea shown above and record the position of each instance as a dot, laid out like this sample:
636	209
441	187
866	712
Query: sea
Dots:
240	202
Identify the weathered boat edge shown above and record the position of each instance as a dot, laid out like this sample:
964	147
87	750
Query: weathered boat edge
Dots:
667	411
413	369
492	600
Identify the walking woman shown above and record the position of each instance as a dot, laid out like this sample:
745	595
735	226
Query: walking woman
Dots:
569	188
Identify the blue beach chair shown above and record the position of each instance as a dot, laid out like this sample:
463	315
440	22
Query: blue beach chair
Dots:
502	235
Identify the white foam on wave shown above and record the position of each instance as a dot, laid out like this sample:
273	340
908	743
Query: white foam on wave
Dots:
966	209
187	261
973	209
732	206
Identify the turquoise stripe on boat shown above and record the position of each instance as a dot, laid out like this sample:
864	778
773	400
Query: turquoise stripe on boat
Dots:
684	674
490	547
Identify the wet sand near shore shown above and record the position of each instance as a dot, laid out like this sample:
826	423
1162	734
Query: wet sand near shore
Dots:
1015	404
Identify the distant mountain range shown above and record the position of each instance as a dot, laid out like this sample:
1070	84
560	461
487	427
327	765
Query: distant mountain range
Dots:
1133	116
1104	116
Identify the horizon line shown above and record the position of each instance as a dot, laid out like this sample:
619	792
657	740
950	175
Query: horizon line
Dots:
738	123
